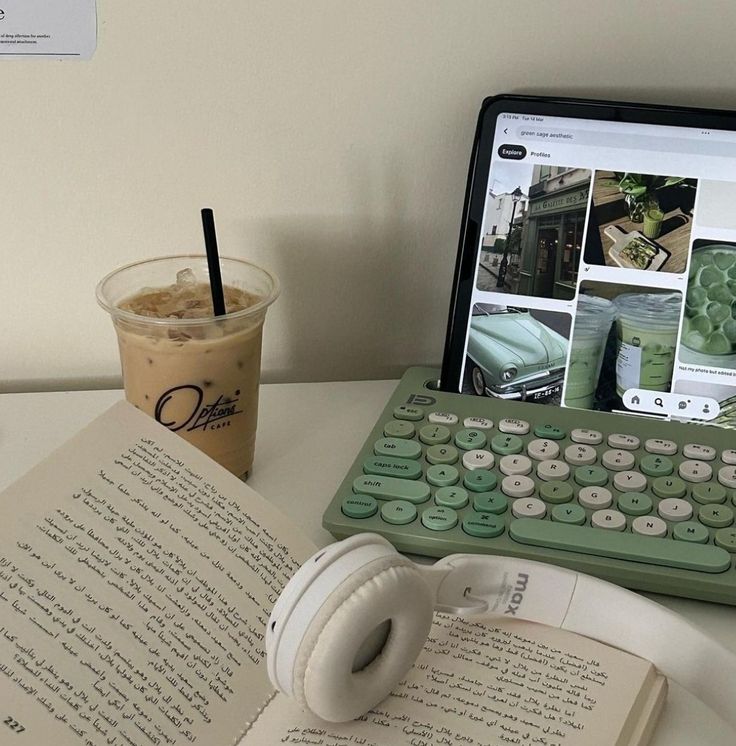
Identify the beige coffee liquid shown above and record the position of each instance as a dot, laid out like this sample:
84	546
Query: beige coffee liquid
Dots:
199	380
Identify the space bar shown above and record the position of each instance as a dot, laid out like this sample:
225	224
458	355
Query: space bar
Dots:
605	543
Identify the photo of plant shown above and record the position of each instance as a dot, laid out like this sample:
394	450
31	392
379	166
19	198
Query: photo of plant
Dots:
640	221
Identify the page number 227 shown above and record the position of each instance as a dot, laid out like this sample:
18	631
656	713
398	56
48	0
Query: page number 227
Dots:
13	724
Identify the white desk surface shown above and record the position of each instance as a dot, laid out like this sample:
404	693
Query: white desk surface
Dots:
299	469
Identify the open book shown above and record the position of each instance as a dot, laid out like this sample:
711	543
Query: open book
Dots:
136	580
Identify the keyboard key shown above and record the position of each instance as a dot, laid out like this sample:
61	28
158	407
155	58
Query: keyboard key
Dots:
528	507
649	526
622	545
397	447
549	470
359	506
549	431
506	444
479	480
478	459
624	442
568	514
439	519
726	538
442	454
715	516
709	493
595	498
727	476
556	492
618	460
398	429
490	502
661	447
542	449
513	427
434	435
391	488
690	531
517	486
729	456
669	487
580	455
478	423
517	464
591	476
451	497
468	439
442	418
695	471
634	503
673	509
611	520
656	466
589	437
629	481
405	412
483	525
388	466
442	475
696	451
398	512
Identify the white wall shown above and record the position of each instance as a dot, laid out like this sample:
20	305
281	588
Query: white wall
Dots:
330	137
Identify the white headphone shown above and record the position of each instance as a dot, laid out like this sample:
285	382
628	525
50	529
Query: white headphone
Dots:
351	622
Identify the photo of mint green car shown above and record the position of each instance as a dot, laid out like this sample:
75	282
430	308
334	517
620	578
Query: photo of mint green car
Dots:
513	355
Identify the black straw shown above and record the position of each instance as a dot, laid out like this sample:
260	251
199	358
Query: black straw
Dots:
213	261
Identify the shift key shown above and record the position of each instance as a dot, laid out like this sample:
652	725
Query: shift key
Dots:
391	488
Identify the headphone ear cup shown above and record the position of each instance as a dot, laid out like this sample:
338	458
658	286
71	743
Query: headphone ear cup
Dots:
388	589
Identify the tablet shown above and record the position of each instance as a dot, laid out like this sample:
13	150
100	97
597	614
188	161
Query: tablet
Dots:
597	259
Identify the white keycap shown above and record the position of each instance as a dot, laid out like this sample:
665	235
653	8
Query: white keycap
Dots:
477	423
624	442
528	507
629	481
442	418
478	459
513	427
517	486
729	456
661	447
580	455
516	464
589	437
595	498
618	460
727	476
695	471
553	470
696	451
674	509
610	519
649	525
541	450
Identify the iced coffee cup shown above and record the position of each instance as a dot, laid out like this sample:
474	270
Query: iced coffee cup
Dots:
593	319
646	332
194	372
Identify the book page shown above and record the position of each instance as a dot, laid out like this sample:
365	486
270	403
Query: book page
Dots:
484	684
136	581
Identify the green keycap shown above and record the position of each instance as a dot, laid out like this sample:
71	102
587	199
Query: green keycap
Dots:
717	516
439	519
726	538
388	466
690	531
391	488
568	514
656	466
556	492
669	487
359	506
470	439
591	476
549	431
504	445
398	512
479	480
442	454
708	492
398	429
433	434
490	502
622	545
451	497
405	412
397	447
635	503
483	525
442	475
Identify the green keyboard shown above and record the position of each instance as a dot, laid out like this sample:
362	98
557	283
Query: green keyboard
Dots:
638	502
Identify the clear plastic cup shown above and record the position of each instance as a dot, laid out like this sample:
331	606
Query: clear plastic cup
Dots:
646	332
197	376
593	319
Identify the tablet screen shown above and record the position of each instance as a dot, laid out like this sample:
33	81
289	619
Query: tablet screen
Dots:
603	267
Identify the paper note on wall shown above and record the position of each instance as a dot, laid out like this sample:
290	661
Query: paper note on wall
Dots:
62	29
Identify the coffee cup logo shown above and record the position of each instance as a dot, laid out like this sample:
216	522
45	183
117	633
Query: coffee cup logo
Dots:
184	407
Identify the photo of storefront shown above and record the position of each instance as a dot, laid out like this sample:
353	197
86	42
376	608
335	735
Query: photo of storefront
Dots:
552	233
